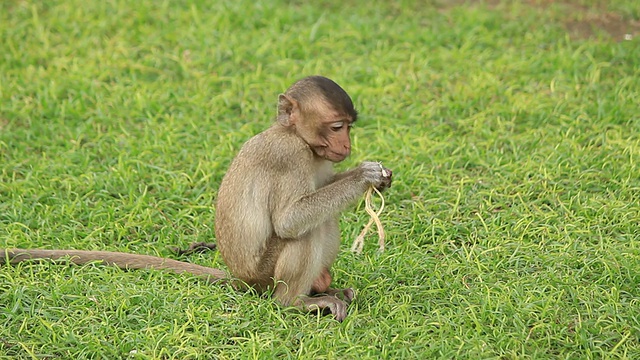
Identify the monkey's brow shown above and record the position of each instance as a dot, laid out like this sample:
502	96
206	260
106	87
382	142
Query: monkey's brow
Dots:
349	120
346	117
340	117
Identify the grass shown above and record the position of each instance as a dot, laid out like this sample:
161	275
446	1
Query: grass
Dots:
512	224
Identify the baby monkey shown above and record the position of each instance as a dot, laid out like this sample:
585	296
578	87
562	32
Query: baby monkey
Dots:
278	204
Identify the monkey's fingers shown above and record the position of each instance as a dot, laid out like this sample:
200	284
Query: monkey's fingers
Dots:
347	295
387	179
326	304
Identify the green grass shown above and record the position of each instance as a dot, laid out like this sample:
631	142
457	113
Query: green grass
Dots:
513	223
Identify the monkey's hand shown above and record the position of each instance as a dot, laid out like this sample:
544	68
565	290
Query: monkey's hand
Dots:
387	179
373	173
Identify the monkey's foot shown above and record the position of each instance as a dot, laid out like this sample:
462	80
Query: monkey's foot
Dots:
325	304
196	247
347	295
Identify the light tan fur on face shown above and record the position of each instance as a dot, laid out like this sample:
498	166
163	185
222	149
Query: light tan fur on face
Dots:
325	140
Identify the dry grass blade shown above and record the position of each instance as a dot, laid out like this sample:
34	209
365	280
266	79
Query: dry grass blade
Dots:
358	243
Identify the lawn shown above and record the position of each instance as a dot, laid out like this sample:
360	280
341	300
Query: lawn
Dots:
512	128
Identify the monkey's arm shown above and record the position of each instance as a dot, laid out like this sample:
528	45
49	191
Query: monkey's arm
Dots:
298	214
309	211
342	175
121	260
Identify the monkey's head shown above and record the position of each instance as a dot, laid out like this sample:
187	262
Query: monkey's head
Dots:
321	113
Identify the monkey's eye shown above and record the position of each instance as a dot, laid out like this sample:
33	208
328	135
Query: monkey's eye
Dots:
337	126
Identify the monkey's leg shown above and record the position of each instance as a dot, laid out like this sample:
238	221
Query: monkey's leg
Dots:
322	282
298	266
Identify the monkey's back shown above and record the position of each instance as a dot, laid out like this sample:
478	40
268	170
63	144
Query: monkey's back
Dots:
250	192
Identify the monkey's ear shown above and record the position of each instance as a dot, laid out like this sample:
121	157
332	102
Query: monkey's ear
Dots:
288	110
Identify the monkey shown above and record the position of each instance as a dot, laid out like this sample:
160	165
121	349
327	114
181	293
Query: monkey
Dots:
277	208
278	204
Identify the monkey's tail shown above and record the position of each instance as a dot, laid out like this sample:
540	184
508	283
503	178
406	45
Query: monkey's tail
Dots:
122	260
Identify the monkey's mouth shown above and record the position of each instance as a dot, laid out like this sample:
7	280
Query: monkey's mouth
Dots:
336	157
